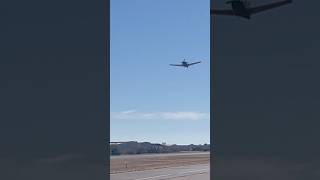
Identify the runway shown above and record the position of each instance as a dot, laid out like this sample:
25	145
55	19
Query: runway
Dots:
175	166
189	172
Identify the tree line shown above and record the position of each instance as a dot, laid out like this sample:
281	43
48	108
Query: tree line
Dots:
134	147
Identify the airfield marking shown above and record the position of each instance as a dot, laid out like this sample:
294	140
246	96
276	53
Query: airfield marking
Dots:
179	174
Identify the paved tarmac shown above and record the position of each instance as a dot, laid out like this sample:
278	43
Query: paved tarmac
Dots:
190	172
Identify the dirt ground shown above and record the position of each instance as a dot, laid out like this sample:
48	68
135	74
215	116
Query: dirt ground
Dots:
143	162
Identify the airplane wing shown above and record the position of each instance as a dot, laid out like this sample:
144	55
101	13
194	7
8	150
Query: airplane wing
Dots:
194	63
176	65
268	6
222	12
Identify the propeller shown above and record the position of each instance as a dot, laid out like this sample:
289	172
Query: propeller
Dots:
231	1
228	2
247	3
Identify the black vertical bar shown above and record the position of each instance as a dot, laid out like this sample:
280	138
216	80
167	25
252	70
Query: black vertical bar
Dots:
213	93
107	84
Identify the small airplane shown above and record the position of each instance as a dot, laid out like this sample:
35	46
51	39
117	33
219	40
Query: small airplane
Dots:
243	9
184	63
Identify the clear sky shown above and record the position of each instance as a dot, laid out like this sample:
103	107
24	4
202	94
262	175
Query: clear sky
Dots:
150	100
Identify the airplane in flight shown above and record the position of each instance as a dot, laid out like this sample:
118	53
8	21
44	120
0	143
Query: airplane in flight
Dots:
184	63
243	9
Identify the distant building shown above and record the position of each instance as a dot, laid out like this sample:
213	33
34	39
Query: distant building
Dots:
114	143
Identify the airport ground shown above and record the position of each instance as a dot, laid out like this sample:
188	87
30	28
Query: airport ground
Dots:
176	166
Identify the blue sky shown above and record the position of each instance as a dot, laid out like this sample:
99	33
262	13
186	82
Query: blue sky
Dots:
150	100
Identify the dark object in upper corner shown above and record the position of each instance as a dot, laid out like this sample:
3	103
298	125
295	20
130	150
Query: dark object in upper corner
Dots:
243	9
